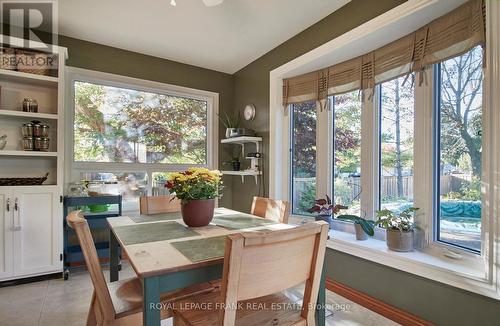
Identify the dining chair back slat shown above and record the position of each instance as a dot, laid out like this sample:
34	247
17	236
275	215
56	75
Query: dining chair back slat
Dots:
272	209
159	204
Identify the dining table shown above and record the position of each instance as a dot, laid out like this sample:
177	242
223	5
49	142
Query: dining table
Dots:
167	255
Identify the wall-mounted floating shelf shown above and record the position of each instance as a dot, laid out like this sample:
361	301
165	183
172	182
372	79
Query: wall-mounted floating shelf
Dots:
256	174
242	141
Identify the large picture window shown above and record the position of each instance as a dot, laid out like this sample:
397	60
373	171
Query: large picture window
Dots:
459	132
396	143
120	125
129	134
347	150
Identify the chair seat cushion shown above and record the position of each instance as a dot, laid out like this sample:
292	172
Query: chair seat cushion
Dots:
204	309
127	295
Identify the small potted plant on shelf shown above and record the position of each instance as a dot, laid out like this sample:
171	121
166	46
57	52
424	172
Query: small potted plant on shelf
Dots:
234	162
325	210
363	228
399	228
197	189
232	123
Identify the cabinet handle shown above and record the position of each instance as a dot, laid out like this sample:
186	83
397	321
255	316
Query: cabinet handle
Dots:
17	226
7	206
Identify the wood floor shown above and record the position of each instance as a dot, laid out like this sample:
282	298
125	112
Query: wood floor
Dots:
65	303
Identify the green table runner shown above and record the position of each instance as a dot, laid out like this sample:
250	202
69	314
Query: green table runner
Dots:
156	217
240	221
150	232
202	249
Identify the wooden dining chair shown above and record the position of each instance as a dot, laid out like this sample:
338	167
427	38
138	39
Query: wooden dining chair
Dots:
121	302
272	209
159	204
258	266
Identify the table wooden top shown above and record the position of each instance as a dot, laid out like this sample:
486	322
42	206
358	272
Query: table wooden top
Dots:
161	257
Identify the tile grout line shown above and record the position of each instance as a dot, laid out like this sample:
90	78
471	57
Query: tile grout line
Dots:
43	302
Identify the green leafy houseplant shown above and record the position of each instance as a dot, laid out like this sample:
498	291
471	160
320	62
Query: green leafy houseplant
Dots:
366	225
232	120
399	228
403	221
325	209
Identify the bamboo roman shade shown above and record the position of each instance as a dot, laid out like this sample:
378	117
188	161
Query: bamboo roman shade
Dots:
450	35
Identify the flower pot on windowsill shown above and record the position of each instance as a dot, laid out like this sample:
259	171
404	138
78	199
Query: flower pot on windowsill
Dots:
327	218
360	233
401	241
196	213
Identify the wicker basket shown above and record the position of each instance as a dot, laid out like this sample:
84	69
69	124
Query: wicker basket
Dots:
23	181
34	62
8	59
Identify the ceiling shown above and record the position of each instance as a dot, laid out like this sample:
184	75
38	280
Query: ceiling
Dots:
224	38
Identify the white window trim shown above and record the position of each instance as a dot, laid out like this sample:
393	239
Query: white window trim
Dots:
479	274
73	169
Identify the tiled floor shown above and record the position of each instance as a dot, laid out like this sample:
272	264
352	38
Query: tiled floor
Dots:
65	303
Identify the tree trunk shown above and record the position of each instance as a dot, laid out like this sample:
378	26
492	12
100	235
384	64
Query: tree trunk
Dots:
399	167
474	153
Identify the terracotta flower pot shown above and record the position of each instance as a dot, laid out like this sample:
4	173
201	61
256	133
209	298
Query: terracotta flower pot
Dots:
197	213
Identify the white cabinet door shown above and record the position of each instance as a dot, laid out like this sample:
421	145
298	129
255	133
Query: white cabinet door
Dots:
6	216
38	221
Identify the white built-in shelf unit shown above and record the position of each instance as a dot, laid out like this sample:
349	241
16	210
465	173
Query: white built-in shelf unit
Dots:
48	91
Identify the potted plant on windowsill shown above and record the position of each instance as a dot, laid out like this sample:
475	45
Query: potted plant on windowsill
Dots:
197	189
399	228
363	228
325	210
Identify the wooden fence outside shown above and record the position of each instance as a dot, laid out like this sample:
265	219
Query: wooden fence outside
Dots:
388	187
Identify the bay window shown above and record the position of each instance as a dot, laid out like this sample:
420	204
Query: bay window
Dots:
416	122
455	147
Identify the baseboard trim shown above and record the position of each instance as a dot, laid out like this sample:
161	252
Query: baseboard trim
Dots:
395	314
31	279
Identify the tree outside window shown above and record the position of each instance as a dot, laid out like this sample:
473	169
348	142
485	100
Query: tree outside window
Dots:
460	149
119	125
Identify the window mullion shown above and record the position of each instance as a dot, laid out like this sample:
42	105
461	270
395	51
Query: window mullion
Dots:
424	166
322	151
369	154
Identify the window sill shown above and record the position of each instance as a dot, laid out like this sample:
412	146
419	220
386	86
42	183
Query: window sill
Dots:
468	273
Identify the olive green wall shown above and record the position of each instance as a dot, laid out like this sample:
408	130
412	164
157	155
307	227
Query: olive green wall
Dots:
433	301
93	56
440	304
252	82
